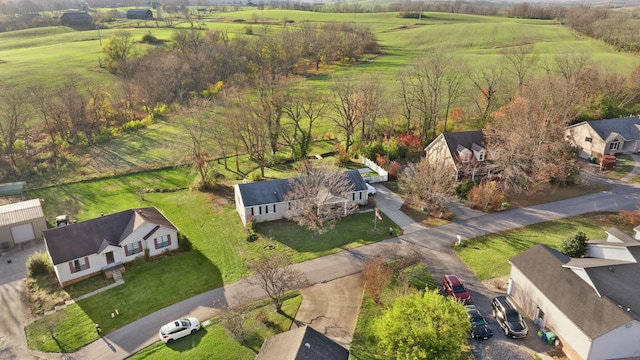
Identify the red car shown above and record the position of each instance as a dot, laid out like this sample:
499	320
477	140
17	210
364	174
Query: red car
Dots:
454	287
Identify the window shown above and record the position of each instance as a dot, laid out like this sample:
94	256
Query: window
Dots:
614	145
481	156
79	265
133	248
539	314
252	212
162	241
588	139
274	207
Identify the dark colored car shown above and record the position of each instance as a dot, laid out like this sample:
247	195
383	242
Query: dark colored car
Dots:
479	327
454	287
508	317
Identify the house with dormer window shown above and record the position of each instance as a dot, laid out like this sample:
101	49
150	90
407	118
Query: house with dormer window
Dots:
103	245
591	303
462	151
605	137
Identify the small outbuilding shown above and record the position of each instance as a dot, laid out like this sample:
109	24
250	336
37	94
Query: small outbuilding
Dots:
143	14
76	19
21	222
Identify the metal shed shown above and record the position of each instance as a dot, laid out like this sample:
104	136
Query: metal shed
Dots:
21	222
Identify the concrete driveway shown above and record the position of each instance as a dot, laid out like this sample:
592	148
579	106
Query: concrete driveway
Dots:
332	308
15	314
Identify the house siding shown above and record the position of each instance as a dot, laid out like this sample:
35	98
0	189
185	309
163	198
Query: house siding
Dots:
529	298
99	261
438	152
578	134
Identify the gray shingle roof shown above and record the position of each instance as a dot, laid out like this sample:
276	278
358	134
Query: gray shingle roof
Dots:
628	127
273	191
303	343
89	237
463	138
573	296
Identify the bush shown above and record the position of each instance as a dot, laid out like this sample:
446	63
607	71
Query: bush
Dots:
39	264
184	243
631	218
463	189
255	176
487	196
394	170
576	246
252	237
149	38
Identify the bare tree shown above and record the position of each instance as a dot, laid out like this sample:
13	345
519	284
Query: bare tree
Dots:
14	114
234	320
275	276
346	104
253	131
520	60
435	84
301	110
196	119
429	181
319	197
371	104
486	86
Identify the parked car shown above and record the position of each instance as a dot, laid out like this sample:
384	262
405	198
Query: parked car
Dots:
370	189
508	317
179	328
479	327
453	287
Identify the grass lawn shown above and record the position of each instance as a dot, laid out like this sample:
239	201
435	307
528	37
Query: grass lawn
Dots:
214	343
72	327
487	256
210	222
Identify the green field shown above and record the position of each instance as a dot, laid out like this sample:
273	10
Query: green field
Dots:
48	56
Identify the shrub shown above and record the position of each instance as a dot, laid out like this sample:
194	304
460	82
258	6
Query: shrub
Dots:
149	38
39	264
394	169
342	155
252	237
184	243
487	196
575	246
631	218
146	254
463	189
255	176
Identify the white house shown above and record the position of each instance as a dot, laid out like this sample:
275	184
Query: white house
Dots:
21	222
591	303
604	137
265	200
105	244
462	151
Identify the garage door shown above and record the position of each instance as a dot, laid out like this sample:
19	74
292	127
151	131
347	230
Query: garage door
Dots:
22	233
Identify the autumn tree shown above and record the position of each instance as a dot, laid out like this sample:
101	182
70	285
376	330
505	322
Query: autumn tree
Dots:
527	147
274	274
319	197
413	327
429	181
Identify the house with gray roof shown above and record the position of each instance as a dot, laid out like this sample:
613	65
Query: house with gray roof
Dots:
592	304
463	152
21	222
303	343
605	137
104	244
266	200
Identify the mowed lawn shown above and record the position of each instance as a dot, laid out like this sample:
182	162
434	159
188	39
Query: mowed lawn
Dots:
487	256
209	220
